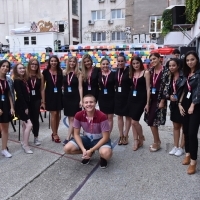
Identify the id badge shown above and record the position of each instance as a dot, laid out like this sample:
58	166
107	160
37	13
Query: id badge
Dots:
153	90
105	91
33	92
2	97
55	90
175	96
119	89
89	87
134	93
188	95
69	89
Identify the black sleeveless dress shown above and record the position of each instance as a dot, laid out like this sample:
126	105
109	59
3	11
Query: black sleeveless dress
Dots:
107	93
5	103
136	104
71	96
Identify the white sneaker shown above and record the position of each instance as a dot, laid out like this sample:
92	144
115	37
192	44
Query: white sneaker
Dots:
6	153
36	141
179	152
173	151
27	149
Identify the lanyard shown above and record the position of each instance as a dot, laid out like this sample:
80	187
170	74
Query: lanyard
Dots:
135	80
189	87
33	83
69	79
27	87
54	80
89	76
106	80
155	78
120	77
2	86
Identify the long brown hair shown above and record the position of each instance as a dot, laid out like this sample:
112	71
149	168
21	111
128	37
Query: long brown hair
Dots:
76	70
85	70
28	69
131	69
16	75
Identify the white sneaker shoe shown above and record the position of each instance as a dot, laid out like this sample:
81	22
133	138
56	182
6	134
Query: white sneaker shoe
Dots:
27	149
36	141
179	152
173	151
6	153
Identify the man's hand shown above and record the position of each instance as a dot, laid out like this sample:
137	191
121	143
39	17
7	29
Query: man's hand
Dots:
87	154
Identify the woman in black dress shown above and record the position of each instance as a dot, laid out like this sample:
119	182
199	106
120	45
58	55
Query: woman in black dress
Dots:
122	84
138	100
175	90
90	77
36	85
73	93
6	106
158	104
189	106
53	94
107	91
22	104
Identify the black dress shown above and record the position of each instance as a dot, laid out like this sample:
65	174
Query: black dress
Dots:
22	99
107	93
53	93
136	104
121	98
35	103
5	102
71	97
93	83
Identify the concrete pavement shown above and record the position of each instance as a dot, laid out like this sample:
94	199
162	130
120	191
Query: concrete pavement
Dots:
49	174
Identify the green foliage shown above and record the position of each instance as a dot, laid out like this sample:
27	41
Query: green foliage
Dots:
191	10
167	21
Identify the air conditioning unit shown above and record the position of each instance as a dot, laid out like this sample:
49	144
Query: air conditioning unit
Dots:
112	0
101	1
155	35
90	22
110	21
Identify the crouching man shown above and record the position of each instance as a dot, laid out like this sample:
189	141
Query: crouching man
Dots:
96	133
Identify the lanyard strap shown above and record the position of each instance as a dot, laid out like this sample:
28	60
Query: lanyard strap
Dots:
2	86
106	80
54	80
189	87
156	78
135	80
69	79
33	83
27	87
120	77
89	76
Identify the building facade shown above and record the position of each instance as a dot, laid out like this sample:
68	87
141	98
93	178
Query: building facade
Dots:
41	16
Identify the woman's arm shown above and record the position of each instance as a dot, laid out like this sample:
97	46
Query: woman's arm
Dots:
42	90
12	110
147	78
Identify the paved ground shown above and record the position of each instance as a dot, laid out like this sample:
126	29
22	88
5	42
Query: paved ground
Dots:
49	174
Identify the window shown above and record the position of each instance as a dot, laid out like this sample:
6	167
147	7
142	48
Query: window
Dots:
155	24
26	40
75	25
98	14
118	35
75	7
99	36
118	14
33	40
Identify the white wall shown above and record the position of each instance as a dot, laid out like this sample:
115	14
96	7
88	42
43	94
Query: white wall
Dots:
100	25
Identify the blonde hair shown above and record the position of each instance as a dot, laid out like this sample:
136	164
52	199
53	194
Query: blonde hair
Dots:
76	69
28	69
15	73
84	69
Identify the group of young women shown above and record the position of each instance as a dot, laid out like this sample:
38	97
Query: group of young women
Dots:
128	92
